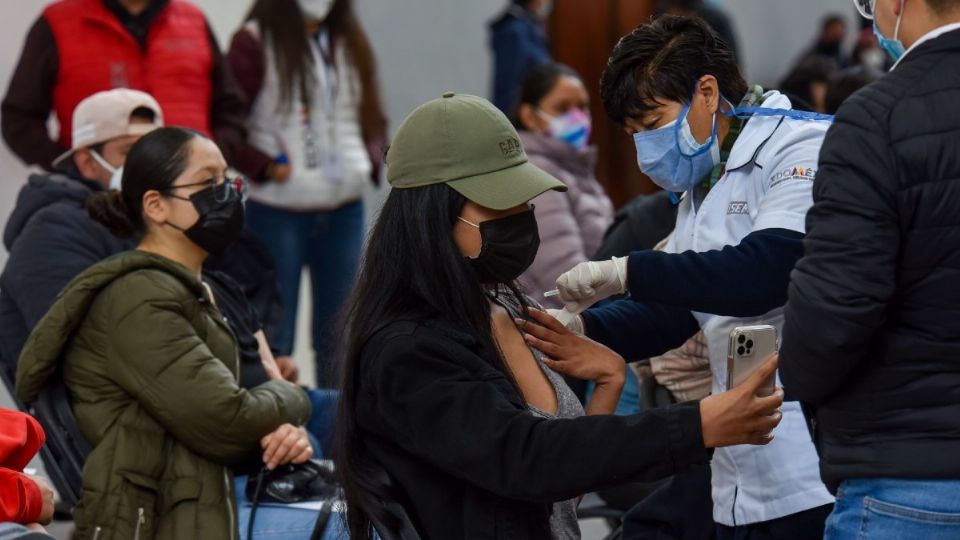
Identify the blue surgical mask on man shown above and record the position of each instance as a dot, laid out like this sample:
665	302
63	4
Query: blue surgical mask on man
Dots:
672	157
894	46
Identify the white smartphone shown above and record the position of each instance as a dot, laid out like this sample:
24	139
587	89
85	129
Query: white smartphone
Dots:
750	347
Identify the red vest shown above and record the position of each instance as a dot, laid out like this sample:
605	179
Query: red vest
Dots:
97	53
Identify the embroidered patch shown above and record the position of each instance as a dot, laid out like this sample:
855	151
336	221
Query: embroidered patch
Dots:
737	208
793	173
510	147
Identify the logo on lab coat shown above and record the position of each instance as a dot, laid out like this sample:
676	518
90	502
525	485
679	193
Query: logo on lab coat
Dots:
737	208
793	173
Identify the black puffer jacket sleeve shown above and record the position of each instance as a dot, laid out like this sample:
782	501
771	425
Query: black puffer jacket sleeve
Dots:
840	290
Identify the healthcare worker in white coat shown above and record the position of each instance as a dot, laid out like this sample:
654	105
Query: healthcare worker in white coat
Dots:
741	162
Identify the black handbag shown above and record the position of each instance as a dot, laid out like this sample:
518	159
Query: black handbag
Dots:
312	480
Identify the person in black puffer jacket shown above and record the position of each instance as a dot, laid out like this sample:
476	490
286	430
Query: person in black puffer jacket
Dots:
872	335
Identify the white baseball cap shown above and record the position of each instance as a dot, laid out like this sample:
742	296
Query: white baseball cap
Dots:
106	115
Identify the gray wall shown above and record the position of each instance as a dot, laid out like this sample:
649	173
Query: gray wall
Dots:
774	32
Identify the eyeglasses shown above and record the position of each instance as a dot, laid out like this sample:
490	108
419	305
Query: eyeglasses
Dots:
223	191
866	7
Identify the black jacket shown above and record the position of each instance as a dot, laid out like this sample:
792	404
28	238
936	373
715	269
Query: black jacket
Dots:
50	240
641	224
469	458
872	334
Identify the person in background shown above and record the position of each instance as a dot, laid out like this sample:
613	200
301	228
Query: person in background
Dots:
867	52
24	499
80	47
49	235
806	84
829	44
553	120
844	84
519	43
316	129
445	397
870	339
714	15
151	364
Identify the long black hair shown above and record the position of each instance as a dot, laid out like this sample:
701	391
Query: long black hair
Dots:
283	25
412	269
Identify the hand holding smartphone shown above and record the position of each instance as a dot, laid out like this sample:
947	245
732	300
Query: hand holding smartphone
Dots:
750	347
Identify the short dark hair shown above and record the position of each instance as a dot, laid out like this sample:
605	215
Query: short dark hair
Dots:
662	60
832	19
844	84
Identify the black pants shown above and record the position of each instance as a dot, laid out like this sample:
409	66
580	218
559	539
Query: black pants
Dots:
806	525
679	509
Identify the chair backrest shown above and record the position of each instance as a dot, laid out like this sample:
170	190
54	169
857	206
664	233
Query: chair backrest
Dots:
66	449
401	527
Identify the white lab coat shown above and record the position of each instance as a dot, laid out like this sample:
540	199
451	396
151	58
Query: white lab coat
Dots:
767	184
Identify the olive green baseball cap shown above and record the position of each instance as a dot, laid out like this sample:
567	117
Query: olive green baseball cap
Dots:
467	143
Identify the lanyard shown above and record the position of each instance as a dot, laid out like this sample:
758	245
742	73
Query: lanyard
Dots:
747	112
740	116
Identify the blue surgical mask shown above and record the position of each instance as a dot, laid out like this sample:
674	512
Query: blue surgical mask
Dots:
673	158
894	47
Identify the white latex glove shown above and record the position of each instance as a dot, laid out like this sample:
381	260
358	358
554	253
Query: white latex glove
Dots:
588	283
572	321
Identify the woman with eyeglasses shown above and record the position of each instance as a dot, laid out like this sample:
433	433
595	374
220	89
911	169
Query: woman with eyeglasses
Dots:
152	364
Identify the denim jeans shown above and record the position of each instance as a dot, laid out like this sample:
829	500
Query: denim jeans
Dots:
323	412
328	243
895	509
282	522
15	531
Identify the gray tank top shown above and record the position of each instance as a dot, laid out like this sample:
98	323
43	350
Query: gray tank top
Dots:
563	519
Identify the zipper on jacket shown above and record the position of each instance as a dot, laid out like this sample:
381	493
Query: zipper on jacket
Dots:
96	532
229	498
140	521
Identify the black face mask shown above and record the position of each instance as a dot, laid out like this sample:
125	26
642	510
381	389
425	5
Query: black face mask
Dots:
220	223
508	247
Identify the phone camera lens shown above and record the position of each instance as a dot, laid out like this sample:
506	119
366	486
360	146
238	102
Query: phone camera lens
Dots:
750	344
741	339
740	350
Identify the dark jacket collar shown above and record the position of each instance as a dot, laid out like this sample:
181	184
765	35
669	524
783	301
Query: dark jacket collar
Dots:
949	42
138	25
41	191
